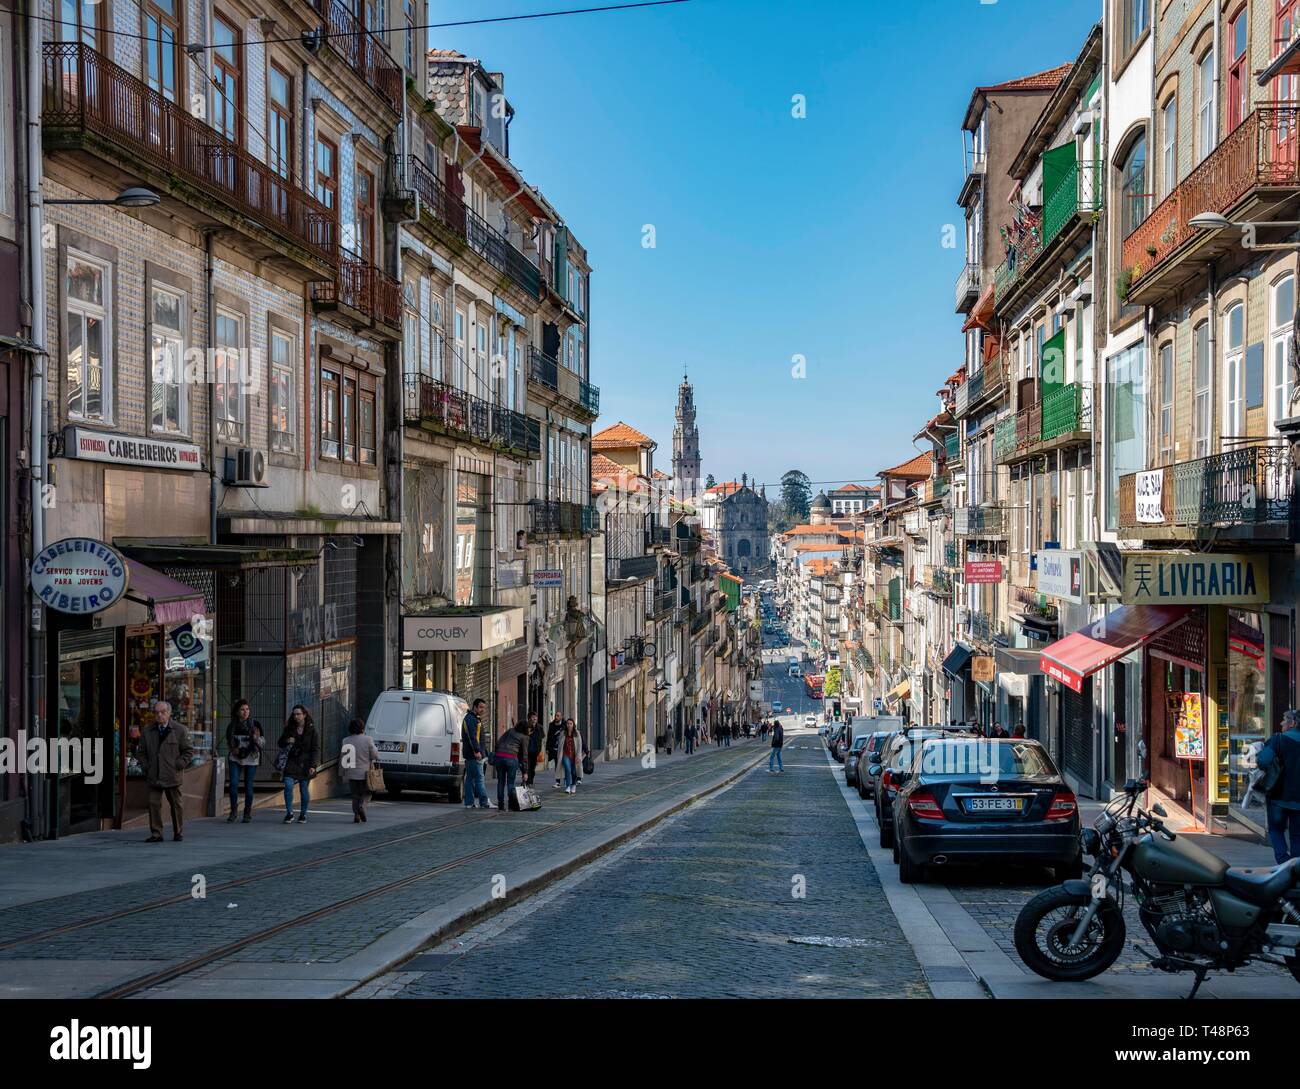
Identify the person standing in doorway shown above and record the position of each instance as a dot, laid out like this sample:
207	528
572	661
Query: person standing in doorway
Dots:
357	755
244	741
471	744
774	762
301	747
167	751
1284	796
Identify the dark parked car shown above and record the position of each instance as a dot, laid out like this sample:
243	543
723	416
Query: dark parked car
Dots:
897	758
852	757
984	800
870	759
837	743
833	738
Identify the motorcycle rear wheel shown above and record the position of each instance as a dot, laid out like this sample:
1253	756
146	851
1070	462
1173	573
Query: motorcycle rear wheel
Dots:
1046	923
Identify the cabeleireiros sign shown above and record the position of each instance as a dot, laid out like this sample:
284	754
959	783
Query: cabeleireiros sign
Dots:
1179	578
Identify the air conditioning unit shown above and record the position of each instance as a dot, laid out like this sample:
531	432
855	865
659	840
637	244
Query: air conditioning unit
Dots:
245	468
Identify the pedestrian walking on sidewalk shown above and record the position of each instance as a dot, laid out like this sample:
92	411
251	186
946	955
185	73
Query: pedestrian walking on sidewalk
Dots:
511	751
165	751
300	751
357	755
535	742
1284	795
778	742
471	744
244	741
570	749
553	730
689	738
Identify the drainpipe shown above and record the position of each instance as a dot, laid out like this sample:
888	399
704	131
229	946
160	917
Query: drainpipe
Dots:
210	319
35	797
1212	348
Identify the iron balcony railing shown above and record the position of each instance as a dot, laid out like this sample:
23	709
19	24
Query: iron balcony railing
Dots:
435	198
1004	438
543	369
950	554
589	395
364	288
1067	409
1032	603
87	93
984	629
1248	485
985	384
952	446
1076	194
1262	152
555	518
362	50
968	284
980	522
501	254
430	402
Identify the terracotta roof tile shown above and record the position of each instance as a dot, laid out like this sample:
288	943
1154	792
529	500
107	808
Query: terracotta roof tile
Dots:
619	435
1046	80
917	467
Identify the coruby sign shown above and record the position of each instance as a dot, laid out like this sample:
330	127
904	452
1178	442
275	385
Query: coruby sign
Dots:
78	575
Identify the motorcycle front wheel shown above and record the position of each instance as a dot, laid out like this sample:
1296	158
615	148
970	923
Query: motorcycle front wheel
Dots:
1045	929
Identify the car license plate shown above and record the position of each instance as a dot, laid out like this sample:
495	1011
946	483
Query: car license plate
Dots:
391	746
994	805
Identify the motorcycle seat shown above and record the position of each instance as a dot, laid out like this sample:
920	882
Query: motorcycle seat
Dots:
1261	885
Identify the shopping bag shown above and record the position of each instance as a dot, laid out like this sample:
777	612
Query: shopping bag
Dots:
527	798
375	779
588	764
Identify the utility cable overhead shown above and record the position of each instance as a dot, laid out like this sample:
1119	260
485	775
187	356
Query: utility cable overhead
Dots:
199	47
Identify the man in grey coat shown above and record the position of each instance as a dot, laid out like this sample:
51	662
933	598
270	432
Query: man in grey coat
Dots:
165	752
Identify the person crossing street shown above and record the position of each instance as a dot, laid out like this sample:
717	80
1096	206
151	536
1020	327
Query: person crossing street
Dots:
471	743
778	742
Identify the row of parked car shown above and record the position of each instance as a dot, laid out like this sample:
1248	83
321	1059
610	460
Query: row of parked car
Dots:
947	797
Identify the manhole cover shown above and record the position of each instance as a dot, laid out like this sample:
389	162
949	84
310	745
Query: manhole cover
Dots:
836	943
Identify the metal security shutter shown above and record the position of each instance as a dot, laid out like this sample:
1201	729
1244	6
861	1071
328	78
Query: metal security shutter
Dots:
1076	734
474	682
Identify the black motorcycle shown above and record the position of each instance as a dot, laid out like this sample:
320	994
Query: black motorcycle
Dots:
1201	914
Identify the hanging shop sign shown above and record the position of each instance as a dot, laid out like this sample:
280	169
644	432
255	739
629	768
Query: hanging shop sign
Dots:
103	446
983	669
1148	496
1060	574
78	575
1211	578
463	631
983	571
548	579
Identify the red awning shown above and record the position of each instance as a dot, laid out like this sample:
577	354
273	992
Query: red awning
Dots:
981	312
172	602
1072	659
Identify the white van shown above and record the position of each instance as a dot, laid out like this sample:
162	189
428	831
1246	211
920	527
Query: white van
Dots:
418	738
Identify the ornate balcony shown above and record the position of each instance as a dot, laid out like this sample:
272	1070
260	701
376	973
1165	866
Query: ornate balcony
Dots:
436	406
549	518
980	522
1260	157
1063	417
1074	200
94	107
364	52
968	286
1244	492
984	387
363	295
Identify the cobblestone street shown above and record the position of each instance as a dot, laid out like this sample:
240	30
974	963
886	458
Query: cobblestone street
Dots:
764	890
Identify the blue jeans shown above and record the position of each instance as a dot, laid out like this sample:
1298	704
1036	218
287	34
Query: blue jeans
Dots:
727	739
507	769
475	789
567	764
775	758
303	786
245	772
1280	823
690	745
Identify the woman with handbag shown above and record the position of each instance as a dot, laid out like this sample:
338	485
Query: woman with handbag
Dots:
244	740
359	763
297	760
570	750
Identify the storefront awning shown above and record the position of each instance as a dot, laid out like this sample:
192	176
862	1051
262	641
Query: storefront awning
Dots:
1078	656
172	602
900	691
958	659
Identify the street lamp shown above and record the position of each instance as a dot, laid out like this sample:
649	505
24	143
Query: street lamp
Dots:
1213	221
136	196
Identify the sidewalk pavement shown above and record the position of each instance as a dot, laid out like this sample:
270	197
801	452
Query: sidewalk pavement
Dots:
49	884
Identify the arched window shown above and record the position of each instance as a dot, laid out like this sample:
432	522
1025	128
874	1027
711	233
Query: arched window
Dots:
1234	378
1281	323
1133	185
743	547
1168	146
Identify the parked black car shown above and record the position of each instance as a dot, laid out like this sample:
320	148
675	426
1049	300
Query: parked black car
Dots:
837	750
897	757
869	760
976	800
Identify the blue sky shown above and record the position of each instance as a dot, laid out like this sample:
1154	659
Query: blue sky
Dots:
819	237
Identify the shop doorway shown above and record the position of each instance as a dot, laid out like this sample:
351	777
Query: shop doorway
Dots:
87	710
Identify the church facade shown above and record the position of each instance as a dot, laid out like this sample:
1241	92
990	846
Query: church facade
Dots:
742	531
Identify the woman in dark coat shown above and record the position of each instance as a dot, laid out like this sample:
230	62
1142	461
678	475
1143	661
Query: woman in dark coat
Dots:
301	747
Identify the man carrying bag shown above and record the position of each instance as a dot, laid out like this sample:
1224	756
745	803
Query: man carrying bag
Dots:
1280	761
